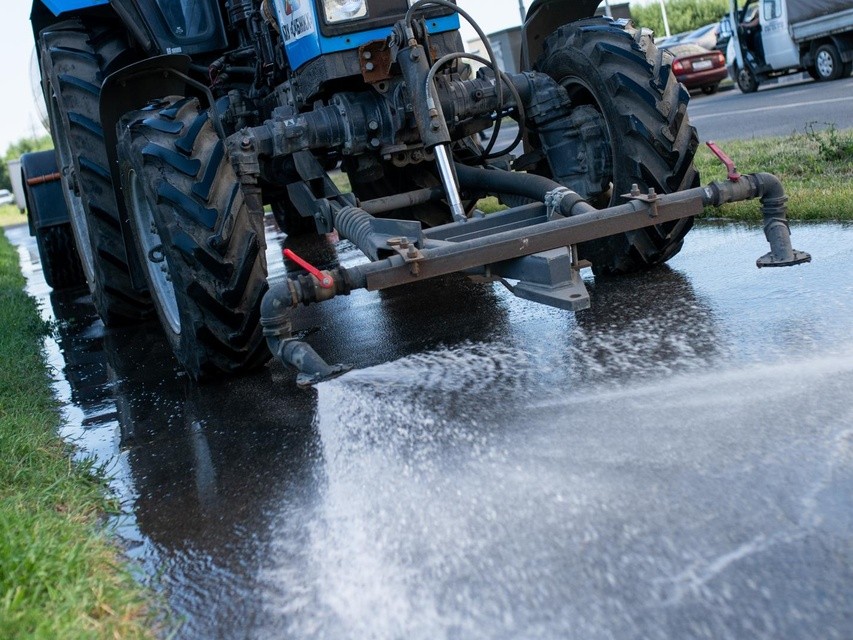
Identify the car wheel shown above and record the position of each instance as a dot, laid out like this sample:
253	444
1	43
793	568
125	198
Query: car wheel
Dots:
710	89
746	80
828	63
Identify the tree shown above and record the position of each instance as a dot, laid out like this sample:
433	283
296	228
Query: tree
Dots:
683	15
16	150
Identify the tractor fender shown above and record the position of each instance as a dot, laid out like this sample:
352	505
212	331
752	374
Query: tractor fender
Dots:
45	201
128	89
543	18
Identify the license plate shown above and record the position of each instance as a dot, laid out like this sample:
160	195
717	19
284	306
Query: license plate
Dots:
702	64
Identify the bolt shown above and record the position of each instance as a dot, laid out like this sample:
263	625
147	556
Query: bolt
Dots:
373	125
434	126
246	143
652	193
412	252
415	54
375	143
404	242
367	55
368	66
635	189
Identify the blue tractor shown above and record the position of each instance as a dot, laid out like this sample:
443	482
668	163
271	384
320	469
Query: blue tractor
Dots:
178	123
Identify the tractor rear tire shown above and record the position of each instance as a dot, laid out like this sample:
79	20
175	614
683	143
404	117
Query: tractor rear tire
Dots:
617	69
48	215
201	249
60	263
76	57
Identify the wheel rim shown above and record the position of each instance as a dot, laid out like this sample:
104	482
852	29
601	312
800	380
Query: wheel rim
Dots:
825	64
77	213
156	262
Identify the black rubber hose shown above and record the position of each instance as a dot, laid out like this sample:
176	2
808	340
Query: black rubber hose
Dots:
528	185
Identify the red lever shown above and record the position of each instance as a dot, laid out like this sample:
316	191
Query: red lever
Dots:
324	279
734	176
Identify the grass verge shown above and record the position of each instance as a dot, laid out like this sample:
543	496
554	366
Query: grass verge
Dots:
60	577
815	167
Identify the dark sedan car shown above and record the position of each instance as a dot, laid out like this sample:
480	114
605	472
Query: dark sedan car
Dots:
697	67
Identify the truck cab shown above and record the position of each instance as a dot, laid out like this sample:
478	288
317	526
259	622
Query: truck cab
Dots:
772	38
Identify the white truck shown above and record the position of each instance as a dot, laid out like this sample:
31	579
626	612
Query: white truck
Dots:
777	37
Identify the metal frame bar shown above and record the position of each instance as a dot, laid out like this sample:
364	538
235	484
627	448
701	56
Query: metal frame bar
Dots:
487	248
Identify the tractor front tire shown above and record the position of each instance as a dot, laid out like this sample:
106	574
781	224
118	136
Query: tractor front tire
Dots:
75	58
617	70
201	249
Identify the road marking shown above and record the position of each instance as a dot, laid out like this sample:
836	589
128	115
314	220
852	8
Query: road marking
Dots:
728	114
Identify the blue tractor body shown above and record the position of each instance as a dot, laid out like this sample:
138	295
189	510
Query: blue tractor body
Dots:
58	7
301	28
302	31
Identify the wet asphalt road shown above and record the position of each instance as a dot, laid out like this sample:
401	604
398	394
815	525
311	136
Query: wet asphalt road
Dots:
676	462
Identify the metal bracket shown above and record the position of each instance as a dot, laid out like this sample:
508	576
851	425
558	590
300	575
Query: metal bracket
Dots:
650	198
548	277
408	251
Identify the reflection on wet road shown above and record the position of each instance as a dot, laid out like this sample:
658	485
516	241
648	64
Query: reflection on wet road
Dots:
676	462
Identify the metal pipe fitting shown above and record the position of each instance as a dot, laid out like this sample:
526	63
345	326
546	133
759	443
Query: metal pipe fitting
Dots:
771	193
276	309
774	210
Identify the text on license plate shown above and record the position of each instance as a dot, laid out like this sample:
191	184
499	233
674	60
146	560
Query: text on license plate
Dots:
702	64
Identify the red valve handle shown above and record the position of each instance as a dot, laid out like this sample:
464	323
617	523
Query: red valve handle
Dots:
324	279
733	174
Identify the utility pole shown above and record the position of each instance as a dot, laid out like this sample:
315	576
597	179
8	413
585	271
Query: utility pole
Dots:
521	10
607	11
665	21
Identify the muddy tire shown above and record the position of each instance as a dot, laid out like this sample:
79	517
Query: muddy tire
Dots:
202	252
617	69
75	58
58	254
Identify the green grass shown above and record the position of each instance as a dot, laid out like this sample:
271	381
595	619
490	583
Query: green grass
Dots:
10	215
816	169
60	577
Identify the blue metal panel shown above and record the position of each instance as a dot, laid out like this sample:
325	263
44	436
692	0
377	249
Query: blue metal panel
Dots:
303	41
63	6
354	40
